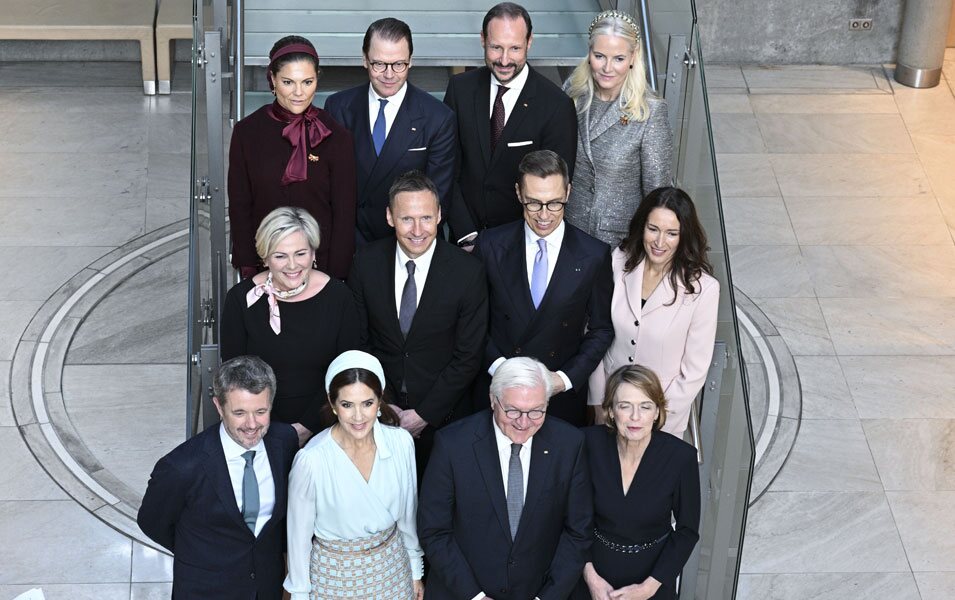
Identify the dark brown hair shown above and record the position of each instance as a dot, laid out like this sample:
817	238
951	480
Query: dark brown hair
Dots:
412	181
388	29
543	164
288	40
642	378
507	10
348	377
689	259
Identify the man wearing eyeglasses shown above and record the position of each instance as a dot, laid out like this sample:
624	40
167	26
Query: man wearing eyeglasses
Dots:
397	127
550	286
505	510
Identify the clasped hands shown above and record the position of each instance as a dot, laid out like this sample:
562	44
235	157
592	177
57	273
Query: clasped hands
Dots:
409	420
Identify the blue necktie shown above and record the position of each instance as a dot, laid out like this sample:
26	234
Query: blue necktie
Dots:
378	132
539	274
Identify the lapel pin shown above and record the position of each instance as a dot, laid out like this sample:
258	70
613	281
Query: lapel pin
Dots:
546	451
312	157
577	269
525	104
413	129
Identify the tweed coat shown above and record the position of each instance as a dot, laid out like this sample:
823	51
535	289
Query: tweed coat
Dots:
618	163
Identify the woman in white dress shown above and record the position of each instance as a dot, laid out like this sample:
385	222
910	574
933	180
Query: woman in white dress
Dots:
353	496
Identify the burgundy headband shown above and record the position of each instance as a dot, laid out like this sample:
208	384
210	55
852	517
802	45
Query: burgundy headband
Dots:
285	50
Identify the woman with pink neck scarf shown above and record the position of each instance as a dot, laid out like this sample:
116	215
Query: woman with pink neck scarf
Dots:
294	317
290	153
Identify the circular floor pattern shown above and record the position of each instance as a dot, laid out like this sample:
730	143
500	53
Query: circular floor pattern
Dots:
77	465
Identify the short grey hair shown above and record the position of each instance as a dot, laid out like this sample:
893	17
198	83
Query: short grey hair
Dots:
248	373
281	223
520	372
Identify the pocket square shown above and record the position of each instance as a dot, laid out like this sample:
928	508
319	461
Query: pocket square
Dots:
516	144
417	149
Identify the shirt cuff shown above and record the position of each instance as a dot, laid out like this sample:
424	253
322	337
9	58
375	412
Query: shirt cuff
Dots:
567	384
469	238
479	596
495	365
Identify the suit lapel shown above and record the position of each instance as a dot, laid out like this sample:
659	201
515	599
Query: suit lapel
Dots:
542	463
660	296
515	276
489	462
365	149
397	141
603	124
524	104
482	114
633	287
562	281
432	286
387	289
218	474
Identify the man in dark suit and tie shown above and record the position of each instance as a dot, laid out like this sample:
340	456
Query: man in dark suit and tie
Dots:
422	303
504	110
505	510
550	286
397	127
217	501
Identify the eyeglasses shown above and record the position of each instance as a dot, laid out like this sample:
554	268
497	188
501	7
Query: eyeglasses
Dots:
552	206
380	67
514	414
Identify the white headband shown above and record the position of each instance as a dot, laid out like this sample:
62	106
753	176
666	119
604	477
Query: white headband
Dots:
354	359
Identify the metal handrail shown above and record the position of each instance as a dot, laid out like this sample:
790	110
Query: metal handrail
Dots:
238	59
648	46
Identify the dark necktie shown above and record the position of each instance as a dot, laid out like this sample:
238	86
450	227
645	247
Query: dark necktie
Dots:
515	489
250	492
409	301
378	132
497	116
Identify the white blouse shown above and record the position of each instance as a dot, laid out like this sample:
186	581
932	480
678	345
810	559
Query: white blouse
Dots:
329	499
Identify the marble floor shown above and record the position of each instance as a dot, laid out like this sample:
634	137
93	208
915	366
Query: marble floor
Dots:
839	196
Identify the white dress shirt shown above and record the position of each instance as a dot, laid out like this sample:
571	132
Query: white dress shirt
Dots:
329	499
554	242
263	475
391	109
421	266
514	89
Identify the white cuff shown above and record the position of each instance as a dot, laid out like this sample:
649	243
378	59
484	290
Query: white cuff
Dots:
567	384
469	237
479	596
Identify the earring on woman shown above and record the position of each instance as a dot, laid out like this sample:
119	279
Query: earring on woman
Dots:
379	412
631	65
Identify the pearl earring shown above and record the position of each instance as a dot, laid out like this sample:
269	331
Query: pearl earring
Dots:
379	412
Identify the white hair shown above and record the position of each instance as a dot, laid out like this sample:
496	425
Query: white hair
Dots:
520	372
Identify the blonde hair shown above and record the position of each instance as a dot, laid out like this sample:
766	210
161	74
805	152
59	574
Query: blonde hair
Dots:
281	223
633	96
642	378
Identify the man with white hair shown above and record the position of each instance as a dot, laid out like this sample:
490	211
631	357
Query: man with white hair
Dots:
505	510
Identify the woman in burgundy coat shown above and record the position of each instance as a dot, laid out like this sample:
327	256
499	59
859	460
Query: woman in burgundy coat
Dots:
290	153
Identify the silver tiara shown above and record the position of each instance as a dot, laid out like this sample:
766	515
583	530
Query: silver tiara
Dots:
615	14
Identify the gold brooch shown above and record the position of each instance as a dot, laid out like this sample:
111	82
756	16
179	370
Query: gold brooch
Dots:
625	120
312	158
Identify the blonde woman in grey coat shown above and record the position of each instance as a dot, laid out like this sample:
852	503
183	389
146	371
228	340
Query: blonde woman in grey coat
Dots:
624	143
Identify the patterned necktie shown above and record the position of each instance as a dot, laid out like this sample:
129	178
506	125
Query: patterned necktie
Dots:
409	301
378	132
250	492
539	274
497	117
515	489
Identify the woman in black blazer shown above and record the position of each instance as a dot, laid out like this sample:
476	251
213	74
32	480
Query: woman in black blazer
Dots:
640	477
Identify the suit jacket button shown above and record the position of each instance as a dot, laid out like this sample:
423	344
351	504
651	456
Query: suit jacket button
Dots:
633	342
406	355
517	350
551	354
564	324
630	358
636	323
251	575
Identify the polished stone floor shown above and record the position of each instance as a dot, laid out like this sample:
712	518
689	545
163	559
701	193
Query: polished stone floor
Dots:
839	195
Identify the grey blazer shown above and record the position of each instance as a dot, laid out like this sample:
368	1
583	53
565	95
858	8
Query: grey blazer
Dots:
631	160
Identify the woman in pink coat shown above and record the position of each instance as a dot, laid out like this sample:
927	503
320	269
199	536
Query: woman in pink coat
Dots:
664	304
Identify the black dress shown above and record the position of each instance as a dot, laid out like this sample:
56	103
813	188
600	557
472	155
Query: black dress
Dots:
667	481
314	332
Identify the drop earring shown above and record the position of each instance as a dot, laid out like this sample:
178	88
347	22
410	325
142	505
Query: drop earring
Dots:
379	412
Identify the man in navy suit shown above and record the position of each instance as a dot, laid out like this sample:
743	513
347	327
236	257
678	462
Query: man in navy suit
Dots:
429	328
506	510
218	500
397	127
550	286
504	110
